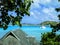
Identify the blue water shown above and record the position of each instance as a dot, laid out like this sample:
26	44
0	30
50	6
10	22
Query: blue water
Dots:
34	31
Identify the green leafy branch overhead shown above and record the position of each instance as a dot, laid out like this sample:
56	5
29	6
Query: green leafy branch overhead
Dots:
21	8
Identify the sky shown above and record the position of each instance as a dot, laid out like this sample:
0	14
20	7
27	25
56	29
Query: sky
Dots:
42	10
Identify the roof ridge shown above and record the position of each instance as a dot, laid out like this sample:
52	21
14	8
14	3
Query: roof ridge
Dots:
15	35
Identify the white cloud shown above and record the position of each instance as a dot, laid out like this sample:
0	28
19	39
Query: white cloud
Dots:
42	1
50	13
45	1
48	10
35	14
36	1
36	4
45	10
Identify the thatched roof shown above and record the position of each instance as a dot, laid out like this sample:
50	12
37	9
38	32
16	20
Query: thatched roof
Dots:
32	40
19	35
16	32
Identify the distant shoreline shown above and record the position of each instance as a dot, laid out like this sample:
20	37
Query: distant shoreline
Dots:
30	25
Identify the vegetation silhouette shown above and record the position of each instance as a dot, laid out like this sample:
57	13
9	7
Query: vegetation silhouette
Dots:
20	7
51	38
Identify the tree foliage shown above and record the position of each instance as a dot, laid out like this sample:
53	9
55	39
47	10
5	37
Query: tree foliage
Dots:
57	9
58	0
21	8
50	38
57	26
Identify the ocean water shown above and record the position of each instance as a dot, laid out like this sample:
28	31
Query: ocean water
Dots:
34	31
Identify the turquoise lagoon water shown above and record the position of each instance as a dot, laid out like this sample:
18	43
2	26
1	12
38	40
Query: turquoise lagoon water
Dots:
34	31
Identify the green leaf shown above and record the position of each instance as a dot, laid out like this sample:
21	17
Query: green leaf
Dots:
5	27
27	13
12	1
16	22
